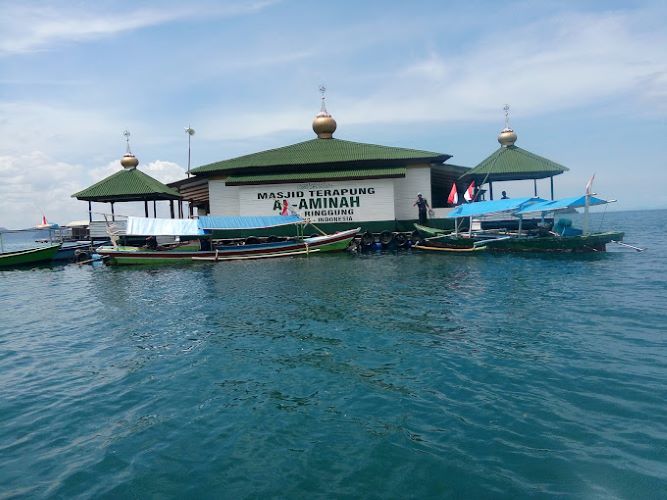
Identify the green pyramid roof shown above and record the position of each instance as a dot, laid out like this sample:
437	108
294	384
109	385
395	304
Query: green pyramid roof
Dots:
322	151
511	163
127	185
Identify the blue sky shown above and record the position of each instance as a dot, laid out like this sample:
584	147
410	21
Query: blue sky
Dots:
586	82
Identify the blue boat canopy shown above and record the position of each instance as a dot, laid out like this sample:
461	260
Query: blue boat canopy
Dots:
562	204
219	222
480	208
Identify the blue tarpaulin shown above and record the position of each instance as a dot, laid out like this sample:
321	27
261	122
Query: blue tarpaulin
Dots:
562	204
222	222
481	208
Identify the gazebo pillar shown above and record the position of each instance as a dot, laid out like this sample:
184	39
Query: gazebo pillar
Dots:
90	211
154	209
535	187
551	179
146	207
113	216
490	190
171	208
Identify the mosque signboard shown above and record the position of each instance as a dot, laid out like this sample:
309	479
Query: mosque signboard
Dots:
322	202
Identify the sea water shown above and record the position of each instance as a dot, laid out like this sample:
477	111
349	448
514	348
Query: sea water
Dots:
379	375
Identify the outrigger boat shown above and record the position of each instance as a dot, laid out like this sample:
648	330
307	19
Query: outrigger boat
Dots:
207	249
559	238
36	255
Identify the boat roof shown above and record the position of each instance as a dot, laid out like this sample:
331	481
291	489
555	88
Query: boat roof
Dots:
78	223
481	208
145	226
562	204
220	222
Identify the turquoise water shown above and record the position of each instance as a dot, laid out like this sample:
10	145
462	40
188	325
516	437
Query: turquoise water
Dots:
397	375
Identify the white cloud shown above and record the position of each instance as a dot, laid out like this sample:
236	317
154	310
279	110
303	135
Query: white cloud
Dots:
35	183
55	128
567	61
26	28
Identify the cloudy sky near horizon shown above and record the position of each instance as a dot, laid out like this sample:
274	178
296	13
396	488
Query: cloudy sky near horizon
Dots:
586	82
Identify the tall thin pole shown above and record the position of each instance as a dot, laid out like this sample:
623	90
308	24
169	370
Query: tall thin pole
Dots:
589	191
190	131
588	196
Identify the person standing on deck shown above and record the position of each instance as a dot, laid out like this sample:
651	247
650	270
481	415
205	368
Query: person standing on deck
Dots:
423	206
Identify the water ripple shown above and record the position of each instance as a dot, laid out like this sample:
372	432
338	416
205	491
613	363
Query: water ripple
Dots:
380	375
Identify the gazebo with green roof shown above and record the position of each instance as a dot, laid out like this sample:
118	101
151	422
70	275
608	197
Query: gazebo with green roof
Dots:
130	184
511	163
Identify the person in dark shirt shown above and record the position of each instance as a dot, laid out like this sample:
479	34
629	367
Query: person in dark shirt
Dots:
423	206
151	243
505	197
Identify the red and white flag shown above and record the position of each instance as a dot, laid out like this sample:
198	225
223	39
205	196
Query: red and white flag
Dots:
589	185
453	198
44	223
468	195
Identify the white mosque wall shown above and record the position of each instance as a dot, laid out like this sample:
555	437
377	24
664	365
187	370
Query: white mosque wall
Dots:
417	180
223	199
331	201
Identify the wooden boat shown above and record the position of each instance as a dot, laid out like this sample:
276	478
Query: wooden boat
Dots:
429	232
593	242
72	251
28	256
562	239
288	248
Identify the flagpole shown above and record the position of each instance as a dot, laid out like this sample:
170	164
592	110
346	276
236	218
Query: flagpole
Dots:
589	189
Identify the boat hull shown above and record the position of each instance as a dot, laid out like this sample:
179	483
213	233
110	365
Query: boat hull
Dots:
595	242
137	256
30	256
72	251
429	232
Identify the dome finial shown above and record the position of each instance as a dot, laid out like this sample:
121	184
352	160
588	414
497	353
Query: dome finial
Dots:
128	160
127	134
324	125
323	106
507	136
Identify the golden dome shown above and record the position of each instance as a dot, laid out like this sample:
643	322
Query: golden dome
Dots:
324	125
129	161
507	137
